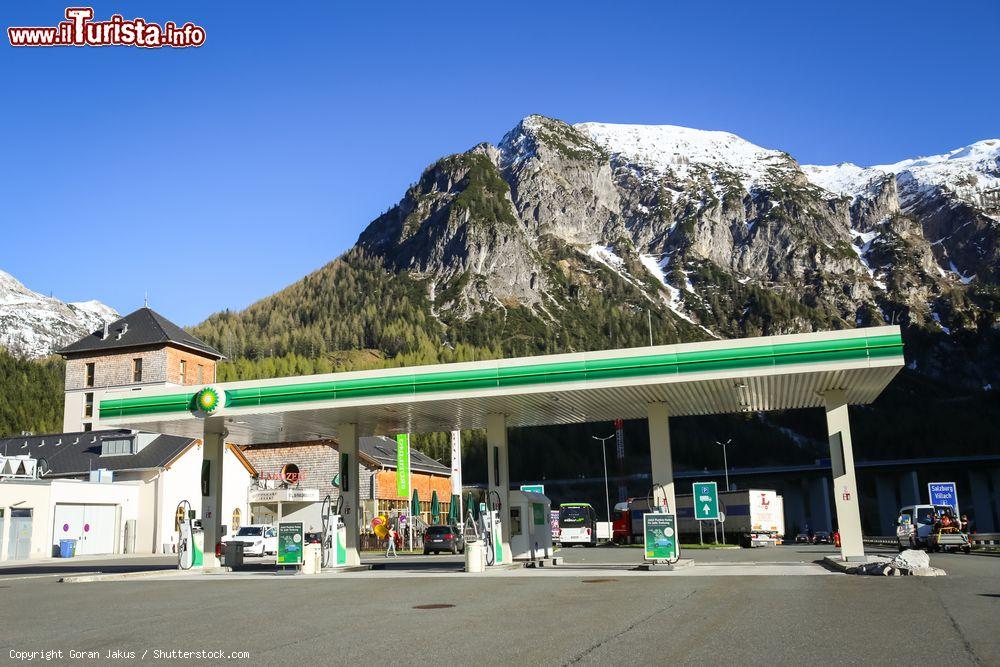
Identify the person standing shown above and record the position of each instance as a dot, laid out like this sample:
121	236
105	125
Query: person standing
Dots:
391	547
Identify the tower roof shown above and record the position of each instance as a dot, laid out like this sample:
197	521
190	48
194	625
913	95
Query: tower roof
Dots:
141	328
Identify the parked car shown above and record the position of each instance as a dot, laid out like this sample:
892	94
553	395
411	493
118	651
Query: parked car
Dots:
257	539
443	538
822	537
802	538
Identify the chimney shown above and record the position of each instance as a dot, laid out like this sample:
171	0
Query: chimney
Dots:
104	335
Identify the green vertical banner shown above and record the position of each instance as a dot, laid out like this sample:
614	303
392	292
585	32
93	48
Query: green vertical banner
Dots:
403	465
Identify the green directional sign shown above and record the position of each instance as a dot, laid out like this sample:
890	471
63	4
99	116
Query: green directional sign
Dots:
706	501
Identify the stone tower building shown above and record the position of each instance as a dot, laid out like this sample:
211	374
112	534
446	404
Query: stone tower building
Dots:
142	349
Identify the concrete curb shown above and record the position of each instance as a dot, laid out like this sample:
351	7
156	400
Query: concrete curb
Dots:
121	576
681	564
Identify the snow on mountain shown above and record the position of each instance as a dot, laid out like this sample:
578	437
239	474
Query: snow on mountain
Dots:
33	325
682	150
971	174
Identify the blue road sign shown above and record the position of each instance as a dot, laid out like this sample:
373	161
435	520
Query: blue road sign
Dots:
943	493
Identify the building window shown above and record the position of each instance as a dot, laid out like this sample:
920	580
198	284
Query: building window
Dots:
236	520
184	371
88	426
89	380
201	374
137	370
88	405
117	446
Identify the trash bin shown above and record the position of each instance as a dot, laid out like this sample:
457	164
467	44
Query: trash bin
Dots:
67	548
233	554
475	556
312	559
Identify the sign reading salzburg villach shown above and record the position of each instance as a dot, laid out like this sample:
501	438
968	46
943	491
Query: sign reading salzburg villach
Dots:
943	493
79	29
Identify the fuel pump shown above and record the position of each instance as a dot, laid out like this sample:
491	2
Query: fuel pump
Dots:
493	528
334	532
191	540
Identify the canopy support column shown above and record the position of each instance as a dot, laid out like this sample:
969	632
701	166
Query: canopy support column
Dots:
658	416
499	476
347	436
213	453
845	488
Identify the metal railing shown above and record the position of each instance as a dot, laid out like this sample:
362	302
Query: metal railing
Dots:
977	539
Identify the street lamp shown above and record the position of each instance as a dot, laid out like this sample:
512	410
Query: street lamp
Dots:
604	456
725	463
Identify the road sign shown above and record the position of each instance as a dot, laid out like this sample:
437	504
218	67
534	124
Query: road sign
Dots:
534	488
706	501
290	543
943	493
659	536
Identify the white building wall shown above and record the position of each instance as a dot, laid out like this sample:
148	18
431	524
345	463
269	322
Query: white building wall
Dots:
43	495
181	481
236	482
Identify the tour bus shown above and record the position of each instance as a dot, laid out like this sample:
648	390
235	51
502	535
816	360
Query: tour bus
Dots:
577	524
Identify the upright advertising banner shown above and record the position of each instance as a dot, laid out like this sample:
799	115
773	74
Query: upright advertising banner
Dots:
456	463
660	536
403	465
290	543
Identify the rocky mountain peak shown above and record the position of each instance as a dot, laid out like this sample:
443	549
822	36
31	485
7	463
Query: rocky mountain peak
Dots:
33	325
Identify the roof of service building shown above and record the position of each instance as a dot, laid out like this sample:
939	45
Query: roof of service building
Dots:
383	451
72	454
141	328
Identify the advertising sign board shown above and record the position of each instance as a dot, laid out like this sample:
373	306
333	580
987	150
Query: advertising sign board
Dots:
660	536
290	543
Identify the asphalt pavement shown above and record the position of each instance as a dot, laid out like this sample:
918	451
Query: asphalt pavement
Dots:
595	610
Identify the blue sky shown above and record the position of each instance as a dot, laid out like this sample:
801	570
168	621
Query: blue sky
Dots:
212	177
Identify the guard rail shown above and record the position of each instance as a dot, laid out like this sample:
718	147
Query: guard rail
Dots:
977	539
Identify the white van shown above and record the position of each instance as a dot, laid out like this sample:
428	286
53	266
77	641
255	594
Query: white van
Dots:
915	525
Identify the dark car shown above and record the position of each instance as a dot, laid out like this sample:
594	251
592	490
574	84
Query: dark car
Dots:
443	538
802	538
822	537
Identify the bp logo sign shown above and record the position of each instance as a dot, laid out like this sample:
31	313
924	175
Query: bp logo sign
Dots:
208	400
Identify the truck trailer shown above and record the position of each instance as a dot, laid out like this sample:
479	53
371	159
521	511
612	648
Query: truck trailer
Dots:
753	518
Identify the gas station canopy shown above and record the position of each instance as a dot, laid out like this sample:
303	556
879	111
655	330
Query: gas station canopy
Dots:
716	377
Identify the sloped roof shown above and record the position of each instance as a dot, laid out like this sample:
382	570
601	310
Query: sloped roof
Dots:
383	450
140	328
67	454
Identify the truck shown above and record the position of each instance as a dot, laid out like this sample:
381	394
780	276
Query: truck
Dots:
753	518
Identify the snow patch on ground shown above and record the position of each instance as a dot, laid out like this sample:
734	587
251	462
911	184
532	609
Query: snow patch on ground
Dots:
662	149
937	318
965	279
969	173
865	239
